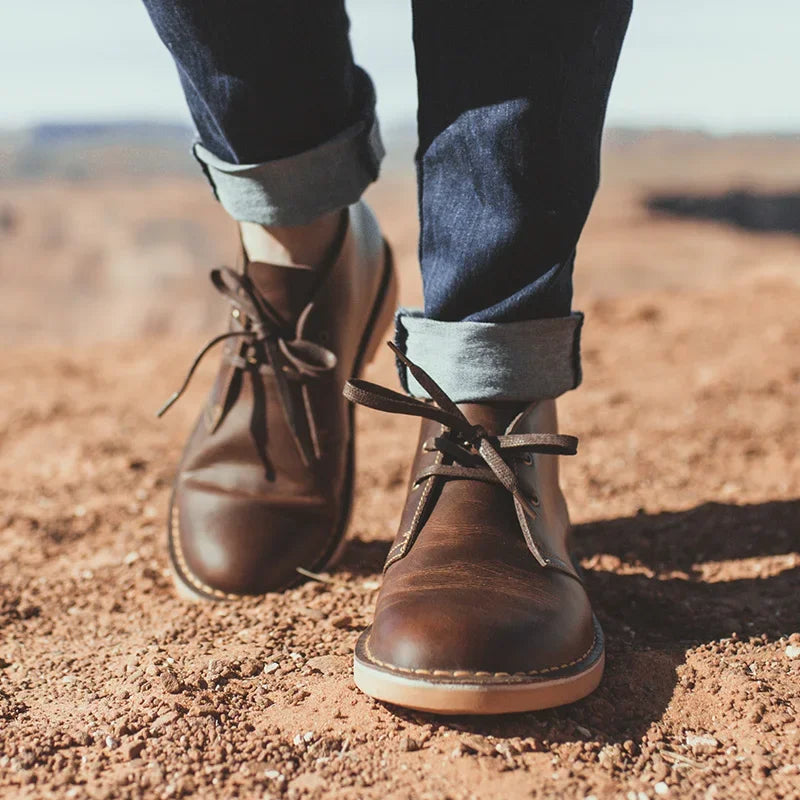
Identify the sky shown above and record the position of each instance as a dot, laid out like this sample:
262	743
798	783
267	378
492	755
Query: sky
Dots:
717	65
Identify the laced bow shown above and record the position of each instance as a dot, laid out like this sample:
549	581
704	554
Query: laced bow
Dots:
476	454
272	349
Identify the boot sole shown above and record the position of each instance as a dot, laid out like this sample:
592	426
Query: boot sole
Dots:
463	692
380	318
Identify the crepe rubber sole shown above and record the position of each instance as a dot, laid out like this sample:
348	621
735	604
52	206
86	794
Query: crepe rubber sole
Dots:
441	692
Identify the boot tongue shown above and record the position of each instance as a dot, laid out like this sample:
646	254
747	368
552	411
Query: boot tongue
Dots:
286	289
494	417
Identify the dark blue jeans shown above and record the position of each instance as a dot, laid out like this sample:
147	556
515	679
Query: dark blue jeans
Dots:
512	99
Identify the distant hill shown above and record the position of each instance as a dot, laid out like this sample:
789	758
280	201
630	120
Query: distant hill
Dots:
60	132
87	151
131	149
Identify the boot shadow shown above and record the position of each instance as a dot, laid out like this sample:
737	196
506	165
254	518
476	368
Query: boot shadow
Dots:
744	208
364	558
661	608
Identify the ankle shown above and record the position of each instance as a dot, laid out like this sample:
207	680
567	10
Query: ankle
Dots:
292	245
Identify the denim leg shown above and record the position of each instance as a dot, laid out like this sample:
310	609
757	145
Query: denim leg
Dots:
285	119
512	99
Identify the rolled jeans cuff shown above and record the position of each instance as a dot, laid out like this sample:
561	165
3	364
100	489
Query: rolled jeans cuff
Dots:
297	189
477	362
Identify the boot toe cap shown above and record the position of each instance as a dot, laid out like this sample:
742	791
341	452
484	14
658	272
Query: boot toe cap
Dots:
225	546
465	633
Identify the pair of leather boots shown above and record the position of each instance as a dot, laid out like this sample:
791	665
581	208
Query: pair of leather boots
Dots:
481	609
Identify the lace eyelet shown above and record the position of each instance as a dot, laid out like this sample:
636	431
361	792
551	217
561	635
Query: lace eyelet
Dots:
535	501
527	459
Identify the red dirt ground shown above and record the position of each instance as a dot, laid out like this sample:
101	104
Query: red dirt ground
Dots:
685	496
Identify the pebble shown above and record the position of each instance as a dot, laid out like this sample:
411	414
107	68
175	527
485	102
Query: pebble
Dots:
342	621
459	750
408	745
250	667
203	710
792	651
134	750
701	743
661	788
170	682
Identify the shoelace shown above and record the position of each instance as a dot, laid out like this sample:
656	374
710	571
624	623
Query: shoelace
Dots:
272	349
477	454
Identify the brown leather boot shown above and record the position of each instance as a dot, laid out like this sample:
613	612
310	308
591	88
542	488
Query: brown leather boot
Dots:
481	610
265	482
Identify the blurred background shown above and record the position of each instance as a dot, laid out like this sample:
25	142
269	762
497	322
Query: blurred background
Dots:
104	219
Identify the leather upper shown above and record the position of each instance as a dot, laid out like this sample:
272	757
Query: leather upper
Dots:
463	594
265	479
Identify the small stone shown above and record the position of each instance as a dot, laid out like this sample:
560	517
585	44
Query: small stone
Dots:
342	621
661	788
408	745
792	651
478	745
250	667
170	682
203	710
701	743
272	667
134	750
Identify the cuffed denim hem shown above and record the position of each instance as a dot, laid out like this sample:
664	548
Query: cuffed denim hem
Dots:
297	189
488	361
